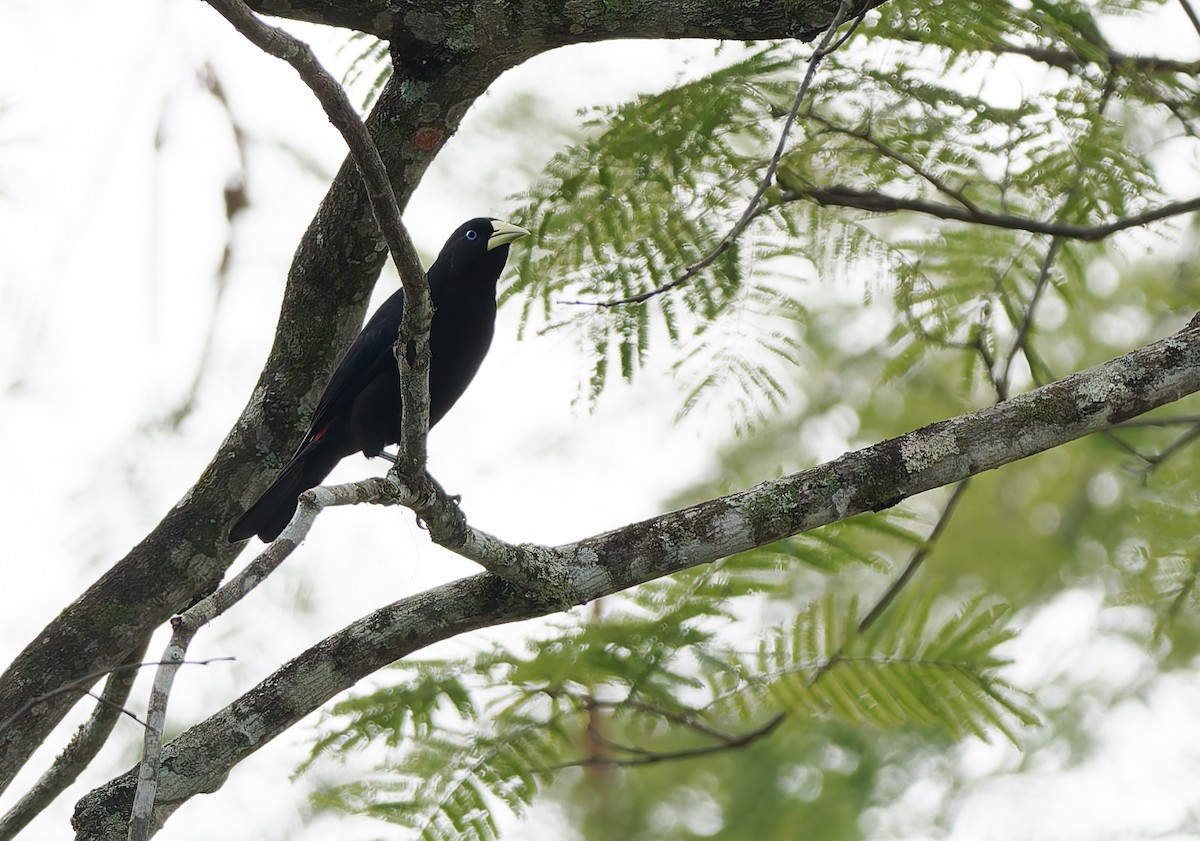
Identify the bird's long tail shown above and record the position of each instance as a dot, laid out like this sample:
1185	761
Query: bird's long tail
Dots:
274	509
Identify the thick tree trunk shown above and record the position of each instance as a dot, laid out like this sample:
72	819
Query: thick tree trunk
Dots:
438	75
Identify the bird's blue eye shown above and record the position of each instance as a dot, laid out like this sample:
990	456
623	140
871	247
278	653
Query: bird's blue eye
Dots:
472	235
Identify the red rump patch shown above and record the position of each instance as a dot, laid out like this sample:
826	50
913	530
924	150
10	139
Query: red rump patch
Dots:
427	138
321	433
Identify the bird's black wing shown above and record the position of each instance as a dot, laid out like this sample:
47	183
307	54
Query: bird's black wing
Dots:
361	364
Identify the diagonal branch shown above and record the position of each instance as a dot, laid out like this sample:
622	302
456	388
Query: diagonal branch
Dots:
412	357
909	163
438	75
1191	14
877	202
724	743
755	206
870	479
141	819
418	307
79	752
915	559
1003	378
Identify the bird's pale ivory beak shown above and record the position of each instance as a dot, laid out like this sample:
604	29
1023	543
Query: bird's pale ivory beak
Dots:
503	233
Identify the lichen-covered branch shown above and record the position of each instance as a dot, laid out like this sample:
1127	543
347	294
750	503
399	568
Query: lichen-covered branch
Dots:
870	479
438	75
556	23
79	752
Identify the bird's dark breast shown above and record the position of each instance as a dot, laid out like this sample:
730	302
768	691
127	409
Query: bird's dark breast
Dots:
461	334
375	415
459	341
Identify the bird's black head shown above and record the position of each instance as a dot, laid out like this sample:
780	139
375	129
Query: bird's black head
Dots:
479	248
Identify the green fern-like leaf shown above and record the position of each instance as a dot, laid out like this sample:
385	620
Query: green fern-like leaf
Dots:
900	671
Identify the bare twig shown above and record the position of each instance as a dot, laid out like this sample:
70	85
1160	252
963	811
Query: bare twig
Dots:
1043	279
644	757
79	752
916	559
1156	461
877	202
910	569
141	821
755	206
1173	420
80	684
1191	14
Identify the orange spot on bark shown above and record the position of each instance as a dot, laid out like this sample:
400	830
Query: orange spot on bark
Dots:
427	138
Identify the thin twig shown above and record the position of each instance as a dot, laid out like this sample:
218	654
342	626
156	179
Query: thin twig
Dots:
79	752
80	684
1156	461
916	559
755	206
671	756
1191	15
1174	420
119	708
678	718
185	626
876	202
1018	344
907	162
1112	61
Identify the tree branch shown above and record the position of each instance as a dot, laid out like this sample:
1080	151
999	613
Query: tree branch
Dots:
79	752
438	75
870	479
1110	60
185	626
724	743
906	161
877	202
1191	15
559	24
755	206
412	352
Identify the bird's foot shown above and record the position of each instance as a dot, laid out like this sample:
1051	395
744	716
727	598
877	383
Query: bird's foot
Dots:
386	456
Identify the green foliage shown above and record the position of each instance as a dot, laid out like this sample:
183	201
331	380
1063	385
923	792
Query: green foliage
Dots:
369	67
659	676
900	672
824	328
646	196
661	179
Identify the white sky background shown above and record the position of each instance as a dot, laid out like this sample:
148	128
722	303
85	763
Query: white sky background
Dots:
107	255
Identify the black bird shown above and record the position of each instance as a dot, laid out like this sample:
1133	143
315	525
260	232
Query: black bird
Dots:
360	409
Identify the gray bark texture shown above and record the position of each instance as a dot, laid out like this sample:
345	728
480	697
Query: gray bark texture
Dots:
438	74
870	479
445	56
